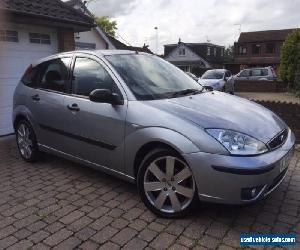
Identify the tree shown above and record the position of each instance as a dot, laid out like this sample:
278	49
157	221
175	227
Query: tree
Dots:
108	26
228	54
289	59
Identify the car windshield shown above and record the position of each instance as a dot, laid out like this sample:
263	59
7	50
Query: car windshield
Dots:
213	74
150	77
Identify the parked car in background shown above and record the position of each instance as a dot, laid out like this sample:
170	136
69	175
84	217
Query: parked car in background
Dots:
192	76
140	118
266	73
218	79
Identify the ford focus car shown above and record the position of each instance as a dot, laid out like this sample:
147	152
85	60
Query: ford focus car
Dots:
137	117
218	79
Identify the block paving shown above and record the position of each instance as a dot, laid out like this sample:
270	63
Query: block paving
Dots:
62	205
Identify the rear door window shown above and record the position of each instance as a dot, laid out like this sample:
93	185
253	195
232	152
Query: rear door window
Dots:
54	74
256	72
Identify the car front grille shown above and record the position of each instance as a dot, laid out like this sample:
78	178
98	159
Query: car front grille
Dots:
278	140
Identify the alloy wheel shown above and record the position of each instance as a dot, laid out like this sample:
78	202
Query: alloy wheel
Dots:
169	185
24	141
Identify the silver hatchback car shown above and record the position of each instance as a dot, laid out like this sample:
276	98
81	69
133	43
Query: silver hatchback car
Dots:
136	116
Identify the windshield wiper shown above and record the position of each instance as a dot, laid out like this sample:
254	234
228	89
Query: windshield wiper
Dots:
186	92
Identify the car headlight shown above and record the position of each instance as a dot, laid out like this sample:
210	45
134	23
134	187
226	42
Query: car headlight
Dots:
237	143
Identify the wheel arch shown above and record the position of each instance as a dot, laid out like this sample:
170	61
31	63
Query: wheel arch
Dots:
145	149
18	118
142	141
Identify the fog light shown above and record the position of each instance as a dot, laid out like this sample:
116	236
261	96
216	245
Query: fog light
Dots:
250	193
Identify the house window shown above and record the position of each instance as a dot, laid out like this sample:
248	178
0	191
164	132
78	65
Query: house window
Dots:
208	51
181	52
215	51
9	36
80	46
39	38
256	49
222	52
270	48
242	50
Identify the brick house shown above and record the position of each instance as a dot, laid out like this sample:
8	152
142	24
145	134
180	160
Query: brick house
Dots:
259	48
29	30
194	57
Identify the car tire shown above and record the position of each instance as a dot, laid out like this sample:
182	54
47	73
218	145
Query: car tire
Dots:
164	192
26	141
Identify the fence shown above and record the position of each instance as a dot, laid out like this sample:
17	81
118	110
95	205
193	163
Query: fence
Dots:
289	112
259	86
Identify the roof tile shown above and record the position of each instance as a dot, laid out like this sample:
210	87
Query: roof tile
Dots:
262	36
54	9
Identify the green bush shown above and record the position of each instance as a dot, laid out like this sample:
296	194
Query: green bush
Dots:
289	60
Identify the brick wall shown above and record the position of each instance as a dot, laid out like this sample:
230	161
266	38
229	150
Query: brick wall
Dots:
260	86
289	112
66	40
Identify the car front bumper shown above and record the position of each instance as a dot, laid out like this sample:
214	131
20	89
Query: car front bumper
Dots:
221	178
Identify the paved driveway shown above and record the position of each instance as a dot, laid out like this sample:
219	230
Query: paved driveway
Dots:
56	203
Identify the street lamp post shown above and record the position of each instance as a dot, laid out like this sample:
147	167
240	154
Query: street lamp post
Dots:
156	49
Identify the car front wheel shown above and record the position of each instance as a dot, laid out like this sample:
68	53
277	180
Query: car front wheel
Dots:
166	184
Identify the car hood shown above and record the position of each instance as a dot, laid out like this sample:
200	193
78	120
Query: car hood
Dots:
220	110
209	82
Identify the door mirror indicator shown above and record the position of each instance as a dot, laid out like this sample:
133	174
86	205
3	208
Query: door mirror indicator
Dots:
105	96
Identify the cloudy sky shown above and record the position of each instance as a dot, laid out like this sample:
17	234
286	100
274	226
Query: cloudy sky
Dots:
195	20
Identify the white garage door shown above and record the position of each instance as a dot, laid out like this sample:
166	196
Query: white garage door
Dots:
20	45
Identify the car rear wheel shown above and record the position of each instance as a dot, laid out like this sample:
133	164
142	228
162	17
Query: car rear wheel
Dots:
26	141
166	184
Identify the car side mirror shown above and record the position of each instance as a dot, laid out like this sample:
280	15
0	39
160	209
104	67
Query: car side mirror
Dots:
105	96
209	88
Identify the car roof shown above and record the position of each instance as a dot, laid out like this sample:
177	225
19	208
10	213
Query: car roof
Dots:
268	67
99	53
220	70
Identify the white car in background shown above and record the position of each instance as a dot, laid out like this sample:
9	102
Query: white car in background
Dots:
218	79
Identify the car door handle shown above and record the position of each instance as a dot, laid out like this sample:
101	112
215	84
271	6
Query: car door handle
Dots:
73	107
35	97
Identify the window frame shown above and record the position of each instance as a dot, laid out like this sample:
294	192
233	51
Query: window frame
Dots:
39	38
40	71
6	36
106	68
266	48
181	52
258	46
208	51
242	50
